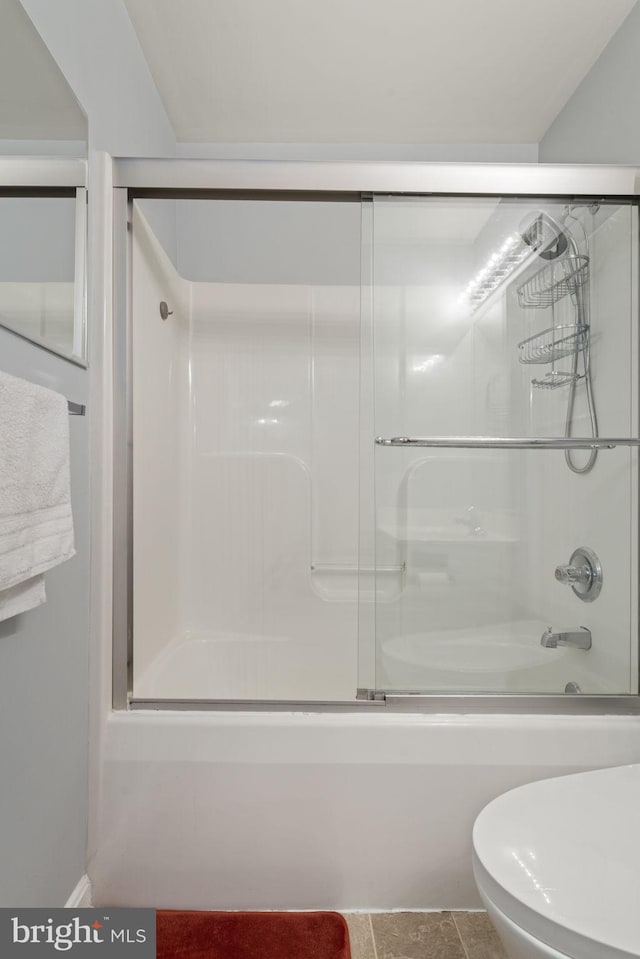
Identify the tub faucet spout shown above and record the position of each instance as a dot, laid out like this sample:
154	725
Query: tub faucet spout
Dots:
577	636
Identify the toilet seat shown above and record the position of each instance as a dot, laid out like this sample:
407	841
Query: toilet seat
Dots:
561	859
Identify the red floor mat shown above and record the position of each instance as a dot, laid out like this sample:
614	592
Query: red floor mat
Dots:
251	935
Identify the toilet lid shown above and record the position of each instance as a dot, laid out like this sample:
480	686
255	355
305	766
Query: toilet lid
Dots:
561	858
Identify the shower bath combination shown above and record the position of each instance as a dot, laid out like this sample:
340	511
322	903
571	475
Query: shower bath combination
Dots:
566	274
301	559
247	612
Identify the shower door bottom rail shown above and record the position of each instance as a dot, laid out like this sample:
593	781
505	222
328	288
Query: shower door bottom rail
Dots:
437	703
473	703
509	442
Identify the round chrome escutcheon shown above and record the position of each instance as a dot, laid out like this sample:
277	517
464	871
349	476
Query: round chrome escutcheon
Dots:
589	589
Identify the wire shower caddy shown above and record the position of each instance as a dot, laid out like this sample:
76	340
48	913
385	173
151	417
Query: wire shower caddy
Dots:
558	279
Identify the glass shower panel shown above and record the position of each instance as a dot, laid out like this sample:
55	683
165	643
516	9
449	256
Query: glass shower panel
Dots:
245	449
503	319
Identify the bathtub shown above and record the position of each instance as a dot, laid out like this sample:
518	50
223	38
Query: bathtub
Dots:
287	810
245	666
500	657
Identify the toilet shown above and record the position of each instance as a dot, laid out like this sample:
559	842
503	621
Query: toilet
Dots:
557	865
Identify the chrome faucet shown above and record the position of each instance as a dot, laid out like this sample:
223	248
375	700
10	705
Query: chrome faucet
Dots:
578	636
470	518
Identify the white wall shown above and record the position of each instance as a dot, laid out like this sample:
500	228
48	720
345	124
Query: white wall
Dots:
43	688
44	681
436	152
598	123
98	52
39	104
47	148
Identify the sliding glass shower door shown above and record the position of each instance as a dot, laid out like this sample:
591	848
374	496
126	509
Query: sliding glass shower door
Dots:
374	435
245	371
499	354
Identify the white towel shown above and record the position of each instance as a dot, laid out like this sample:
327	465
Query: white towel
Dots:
36	524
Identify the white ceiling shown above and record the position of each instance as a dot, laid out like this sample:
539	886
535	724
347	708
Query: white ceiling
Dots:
370	71
36	102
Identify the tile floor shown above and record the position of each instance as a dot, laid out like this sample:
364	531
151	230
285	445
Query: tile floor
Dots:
423	935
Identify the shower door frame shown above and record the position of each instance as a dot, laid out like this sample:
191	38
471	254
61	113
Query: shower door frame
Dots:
321	181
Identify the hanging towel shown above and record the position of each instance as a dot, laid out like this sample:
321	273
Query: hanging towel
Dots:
36	524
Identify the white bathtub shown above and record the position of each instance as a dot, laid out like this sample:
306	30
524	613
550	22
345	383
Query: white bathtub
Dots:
500	657
237	666
293	810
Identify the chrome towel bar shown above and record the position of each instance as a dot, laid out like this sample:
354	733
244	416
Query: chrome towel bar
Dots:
508	443
76	409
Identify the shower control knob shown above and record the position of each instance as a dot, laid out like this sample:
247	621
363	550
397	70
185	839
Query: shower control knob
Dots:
573	574
583	573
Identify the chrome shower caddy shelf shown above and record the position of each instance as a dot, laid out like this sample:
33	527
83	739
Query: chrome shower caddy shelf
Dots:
554	343
558	279
554	379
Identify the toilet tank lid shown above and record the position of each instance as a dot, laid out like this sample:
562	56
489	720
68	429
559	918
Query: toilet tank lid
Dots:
561	857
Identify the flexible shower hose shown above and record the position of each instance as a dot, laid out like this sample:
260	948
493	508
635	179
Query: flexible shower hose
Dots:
582	320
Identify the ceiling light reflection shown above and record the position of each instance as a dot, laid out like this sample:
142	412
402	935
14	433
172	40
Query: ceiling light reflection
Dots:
496	270
427	363
536	884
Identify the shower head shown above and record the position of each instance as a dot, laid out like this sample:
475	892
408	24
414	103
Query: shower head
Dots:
545	236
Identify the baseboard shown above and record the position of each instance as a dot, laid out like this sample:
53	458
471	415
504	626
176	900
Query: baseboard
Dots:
80	898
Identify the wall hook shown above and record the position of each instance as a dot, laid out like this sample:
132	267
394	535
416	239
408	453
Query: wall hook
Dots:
164	310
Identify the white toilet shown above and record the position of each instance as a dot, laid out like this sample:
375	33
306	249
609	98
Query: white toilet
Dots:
557	864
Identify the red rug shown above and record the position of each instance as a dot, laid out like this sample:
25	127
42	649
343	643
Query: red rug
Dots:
251	935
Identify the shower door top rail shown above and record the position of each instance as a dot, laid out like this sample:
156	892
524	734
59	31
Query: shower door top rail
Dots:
149	177
18	172
509	442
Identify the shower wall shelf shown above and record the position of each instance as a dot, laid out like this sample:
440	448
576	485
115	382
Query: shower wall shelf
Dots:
557	279
554	343
354	568
509	443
